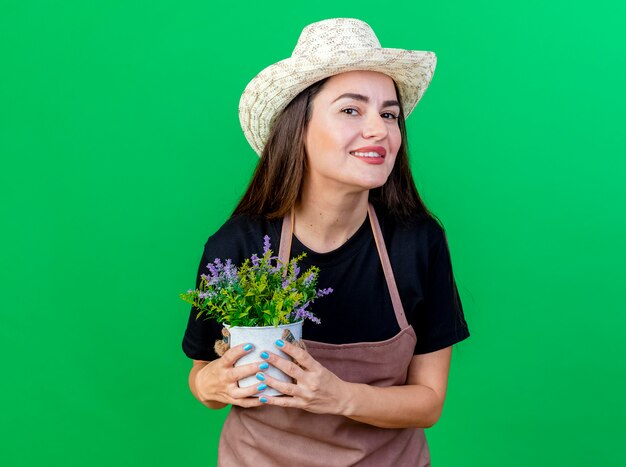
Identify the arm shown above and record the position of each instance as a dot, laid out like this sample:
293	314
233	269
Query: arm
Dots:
193	374
214	383
417	404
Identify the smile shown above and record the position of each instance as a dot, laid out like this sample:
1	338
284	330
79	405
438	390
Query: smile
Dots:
366	154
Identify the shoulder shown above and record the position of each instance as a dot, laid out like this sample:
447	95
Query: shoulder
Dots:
238	225
424	233
241	236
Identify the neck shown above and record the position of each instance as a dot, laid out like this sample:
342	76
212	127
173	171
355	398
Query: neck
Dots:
324	222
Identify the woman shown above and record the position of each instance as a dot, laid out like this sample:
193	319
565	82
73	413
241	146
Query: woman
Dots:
334	181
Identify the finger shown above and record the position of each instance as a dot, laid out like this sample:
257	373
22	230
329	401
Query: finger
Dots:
286	388
284	365
282	401
247	402
250	396
240	372
298	354
232	355
236	393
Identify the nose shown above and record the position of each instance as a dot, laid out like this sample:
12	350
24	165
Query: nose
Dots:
375	127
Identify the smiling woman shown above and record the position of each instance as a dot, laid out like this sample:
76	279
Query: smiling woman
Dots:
334	182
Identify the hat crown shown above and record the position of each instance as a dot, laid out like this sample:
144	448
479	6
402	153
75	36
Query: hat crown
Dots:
333	35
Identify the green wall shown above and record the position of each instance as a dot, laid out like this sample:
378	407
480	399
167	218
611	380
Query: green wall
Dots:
121	152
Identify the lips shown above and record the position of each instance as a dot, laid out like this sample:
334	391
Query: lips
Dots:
370	152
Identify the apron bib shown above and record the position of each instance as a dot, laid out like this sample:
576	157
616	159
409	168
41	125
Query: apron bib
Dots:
270	436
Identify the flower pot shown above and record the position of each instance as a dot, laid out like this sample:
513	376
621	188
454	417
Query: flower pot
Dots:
263	338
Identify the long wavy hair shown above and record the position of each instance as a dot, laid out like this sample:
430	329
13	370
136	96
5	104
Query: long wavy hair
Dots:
277	181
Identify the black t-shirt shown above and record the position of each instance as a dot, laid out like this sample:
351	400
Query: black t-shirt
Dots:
359	309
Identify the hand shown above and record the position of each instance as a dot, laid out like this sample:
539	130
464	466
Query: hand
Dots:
316	389
217	381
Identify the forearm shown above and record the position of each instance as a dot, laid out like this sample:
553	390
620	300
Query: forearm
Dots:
194	390
393	407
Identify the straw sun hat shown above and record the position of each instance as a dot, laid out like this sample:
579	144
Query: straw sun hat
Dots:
324	49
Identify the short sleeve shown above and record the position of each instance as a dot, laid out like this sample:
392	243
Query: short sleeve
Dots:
201	333
237	239
442	322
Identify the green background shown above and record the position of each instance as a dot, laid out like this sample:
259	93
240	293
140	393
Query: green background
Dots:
121	152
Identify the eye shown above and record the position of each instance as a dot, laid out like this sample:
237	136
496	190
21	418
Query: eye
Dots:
350	111
389	115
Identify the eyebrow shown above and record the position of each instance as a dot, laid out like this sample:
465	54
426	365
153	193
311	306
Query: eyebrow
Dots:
361	97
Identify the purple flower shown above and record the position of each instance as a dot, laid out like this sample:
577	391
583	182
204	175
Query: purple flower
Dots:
303	313
213	270
308	279
221	273
255	260
323	292
266	244
230	271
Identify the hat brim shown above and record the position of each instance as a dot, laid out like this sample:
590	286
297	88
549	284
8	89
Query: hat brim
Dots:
274	87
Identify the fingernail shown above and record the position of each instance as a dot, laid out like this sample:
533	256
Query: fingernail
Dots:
264	366
261	387
280	343
260	376
263	400
265	355
247	347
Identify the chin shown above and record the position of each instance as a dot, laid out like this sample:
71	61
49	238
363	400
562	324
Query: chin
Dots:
374	180
372	184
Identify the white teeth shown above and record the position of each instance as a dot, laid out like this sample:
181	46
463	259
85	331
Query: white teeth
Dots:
366	154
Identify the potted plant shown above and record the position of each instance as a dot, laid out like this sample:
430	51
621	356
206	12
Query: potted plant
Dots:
261	301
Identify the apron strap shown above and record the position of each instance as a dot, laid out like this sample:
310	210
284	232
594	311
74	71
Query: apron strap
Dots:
285	250
285	238
384	259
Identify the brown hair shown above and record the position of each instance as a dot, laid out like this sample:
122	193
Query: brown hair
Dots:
277	180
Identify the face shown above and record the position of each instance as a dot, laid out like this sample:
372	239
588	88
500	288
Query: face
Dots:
353	136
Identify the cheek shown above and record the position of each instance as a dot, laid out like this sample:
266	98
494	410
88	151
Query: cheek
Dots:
334	136
327	139
316	136
395	139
